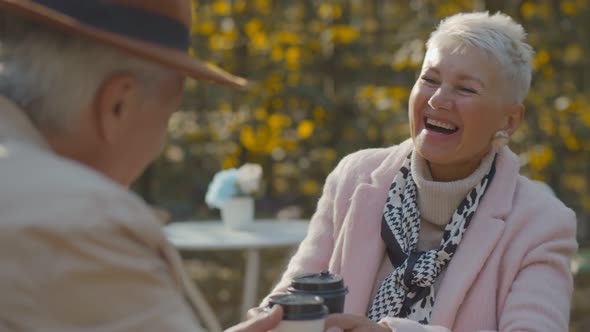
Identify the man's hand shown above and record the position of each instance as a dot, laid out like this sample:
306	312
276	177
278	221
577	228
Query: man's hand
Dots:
163	216
354	323
263	322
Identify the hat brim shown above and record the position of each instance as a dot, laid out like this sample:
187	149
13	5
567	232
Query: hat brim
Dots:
171	58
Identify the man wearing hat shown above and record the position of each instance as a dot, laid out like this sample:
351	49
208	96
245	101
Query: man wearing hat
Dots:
86	90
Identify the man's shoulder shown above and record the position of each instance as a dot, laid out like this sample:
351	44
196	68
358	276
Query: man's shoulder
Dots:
43	187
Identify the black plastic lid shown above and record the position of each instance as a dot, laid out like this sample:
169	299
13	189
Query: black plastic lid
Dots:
323	281
300	306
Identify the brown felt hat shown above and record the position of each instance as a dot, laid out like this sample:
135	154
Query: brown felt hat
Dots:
155	30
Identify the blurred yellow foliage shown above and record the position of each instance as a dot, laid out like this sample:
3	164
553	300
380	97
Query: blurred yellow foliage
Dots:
399	92
546	123
229	162
260	41
572	143
293	58
528	9
344	34
568	7
310	187
541	58
276	53
329	11
448	8
260	113
319	114
262	6
248	138
330	154
548	72
373	133
293	78
305	129
239	6
540	156
278	121
253	27
221	7
281	185
330	77
277	103
574	182
585	116
573	54
219	41
287	37
273	83
205	28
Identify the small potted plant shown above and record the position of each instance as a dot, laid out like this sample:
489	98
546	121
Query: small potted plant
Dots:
232	192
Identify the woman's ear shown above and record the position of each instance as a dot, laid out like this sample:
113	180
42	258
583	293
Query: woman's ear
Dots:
514	117
114	103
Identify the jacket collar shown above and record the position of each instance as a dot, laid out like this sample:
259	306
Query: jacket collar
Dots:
16	126
363	222
497	202
360	238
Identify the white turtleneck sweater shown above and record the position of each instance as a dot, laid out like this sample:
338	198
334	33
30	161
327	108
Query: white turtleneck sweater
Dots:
437	202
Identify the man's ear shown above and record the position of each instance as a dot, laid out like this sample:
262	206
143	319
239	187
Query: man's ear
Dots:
113	104
514	117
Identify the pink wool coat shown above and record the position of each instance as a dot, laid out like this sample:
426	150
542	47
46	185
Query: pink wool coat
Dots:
510	272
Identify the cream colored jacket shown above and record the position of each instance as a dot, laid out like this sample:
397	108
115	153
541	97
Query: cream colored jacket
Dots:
77	251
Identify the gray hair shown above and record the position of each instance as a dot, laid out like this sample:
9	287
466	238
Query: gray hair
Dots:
53	75
499	35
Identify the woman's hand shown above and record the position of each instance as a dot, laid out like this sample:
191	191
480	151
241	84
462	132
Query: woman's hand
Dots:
253	312
263	322
354	323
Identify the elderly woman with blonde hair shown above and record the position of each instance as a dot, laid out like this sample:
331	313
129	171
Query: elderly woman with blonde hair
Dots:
441	232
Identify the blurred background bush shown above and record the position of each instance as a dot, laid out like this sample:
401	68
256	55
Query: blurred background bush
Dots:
333	76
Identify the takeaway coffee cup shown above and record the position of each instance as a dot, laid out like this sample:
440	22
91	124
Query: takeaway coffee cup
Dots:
324	284
301	312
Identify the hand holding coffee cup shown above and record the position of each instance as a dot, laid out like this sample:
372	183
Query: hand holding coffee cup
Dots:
263	322
328	286
301	312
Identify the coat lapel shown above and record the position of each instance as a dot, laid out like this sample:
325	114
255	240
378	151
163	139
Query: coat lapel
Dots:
479	240
360	237
478	243
186	286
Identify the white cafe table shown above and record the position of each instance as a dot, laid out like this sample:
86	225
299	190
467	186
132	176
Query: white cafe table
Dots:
199	236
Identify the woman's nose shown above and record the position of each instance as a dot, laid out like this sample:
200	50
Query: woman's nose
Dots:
440	99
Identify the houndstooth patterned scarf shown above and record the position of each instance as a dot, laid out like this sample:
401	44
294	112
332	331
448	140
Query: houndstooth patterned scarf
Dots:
407	292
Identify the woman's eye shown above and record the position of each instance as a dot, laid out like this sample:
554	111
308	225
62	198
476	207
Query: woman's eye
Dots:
466	89
429	80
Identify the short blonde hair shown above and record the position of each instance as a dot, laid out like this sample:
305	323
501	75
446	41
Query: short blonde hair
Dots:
497	34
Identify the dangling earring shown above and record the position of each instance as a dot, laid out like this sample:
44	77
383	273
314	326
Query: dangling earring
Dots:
501	138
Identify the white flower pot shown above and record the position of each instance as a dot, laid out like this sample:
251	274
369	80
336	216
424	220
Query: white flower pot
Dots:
238	212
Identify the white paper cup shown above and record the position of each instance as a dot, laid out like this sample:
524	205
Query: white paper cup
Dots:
301	312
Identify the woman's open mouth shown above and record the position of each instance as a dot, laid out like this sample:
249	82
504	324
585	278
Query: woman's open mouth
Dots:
439	127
